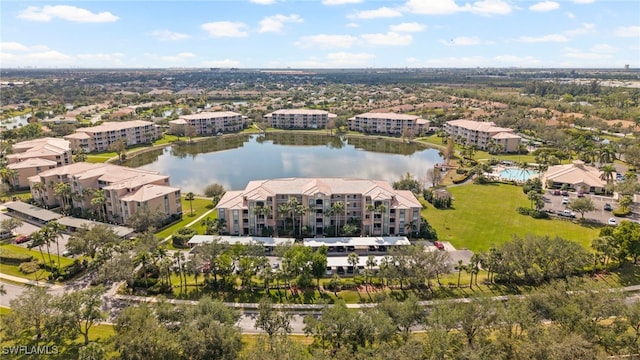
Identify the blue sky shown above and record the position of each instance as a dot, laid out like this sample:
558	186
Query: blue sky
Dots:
320	33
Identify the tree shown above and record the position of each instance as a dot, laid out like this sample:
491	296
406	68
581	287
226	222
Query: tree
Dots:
98	199
63	191
271	321
31	312
190	197
408	182
144	219
319	264
80	310
607	173
208	331
434	175
190	132
87	240
8	176
337	208
139	335
405	315
120	148
582	205
625	202
53	231
353	259
10	224
214	191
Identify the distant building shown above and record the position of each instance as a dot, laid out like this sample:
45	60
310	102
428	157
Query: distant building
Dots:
388	123
209	123
126	189
35	156
299	118
99	138
483	135
399	209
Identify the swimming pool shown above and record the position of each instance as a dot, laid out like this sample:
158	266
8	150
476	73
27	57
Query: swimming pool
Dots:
517	174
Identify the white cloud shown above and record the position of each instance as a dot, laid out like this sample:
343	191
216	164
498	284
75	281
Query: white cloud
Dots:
340	2
225	29
513	60
586	55
12	46
544	6
326	41
390	38
166	35
337	60
65	12
583	1
383	12
407	27
462	41
582	30
353	25
263	2
544	38
221	63
442	7
178	57
604	49
628	31
571	15
276	22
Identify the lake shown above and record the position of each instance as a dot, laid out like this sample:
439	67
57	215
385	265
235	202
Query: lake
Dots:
233	161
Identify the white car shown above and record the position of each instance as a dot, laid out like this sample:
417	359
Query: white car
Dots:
565	200
612	221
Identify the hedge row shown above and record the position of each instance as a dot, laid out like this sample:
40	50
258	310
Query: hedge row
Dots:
11	258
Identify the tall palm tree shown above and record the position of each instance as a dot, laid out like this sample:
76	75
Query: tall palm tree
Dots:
38	240
371	209
371	263
300	211
337	209
607	173
63	191
190	197
38	188
178	257
142	259
8	176
54	231
99	200
382	209
283	211
260	211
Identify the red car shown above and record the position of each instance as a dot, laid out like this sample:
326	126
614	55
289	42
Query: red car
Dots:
438	245
22	239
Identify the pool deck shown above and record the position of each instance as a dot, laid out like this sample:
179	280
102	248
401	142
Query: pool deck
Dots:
497	169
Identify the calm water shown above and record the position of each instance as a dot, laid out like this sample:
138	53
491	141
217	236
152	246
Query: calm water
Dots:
234	161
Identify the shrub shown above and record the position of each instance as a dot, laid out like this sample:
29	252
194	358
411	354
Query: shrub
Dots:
29	267
621	212
182	236
525	211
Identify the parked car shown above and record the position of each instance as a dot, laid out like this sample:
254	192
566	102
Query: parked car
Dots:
607	207
556	192
580	194
438	245
565	200
66	253
567	213
612	221
5	234
565	193
22	239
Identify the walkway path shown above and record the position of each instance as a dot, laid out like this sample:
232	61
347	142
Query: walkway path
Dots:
189	224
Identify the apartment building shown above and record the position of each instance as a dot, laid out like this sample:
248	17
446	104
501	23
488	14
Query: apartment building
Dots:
32	157
299	118
209	123
126	189
388	123
99	138
381	209
484	135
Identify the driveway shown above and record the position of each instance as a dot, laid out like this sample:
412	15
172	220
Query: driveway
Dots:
554	202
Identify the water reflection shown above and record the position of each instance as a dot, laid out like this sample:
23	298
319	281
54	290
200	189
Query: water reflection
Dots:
234	161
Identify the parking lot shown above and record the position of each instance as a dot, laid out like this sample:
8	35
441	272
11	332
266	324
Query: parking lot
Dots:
28	229
555	203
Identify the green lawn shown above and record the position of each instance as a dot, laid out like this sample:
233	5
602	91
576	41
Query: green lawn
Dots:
14	270
200	206
166	139
100	157
485	215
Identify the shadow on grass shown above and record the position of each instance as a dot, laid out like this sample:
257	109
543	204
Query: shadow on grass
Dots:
628	273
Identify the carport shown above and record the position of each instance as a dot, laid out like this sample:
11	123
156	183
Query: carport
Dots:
31	213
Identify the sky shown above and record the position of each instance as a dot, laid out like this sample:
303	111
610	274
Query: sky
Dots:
320	34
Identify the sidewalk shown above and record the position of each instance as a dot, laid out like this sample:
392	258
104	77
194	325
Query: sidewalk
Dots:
189	224
29	282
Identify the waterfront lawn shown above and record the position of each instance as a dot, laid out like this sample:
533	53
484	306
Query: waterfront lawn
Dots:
166	139
485	215
100	157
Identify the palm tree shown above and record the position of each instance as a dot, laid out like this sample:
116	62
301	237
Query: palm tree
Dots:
38	187
99	199
460	266
38	240
54	231
382	209
142	259
178	256
607	173
353	259
63	191
190	197
337	209
371	263
8	176
300	211
283	211
371	209
260	211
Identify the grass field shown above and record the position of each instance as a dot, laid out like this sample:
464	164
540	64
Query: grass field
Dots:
14	270
485	215
200	206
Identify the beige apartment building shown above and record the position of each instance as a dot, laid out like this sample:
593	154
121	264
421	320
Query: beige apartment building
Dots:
484	135
99	138
388	123
209	123
32	157
126	189
299	118
381	209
